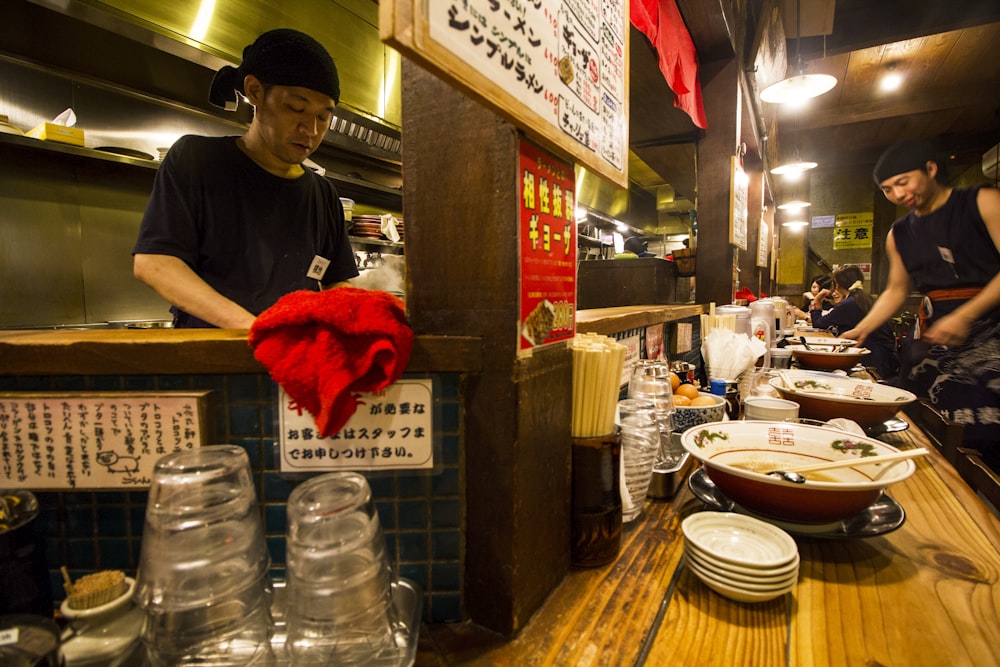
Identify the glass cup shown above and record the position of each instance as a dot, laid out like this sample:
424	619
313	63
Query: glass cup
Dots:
651	381
640	445
339	578
203	580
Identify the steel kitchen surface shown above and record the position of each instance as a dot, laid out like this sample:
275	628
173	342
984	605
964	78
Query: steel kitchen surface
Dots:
927	593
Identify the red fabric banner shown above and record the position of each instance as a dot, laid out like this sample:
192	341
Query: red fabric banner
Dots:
661	22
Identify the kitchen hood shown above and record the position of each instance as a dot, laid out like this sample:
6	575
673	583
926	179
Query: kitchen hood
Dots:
172	49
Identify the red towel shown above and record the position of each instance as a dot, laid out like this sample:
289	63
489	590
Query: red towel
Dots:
325	347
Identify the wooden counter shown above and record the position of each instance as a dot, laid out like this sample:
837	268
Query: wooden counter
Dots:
925	594
183	352
607	321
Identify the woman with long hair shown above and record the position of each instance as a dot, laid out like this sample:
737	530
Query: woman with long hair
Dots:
854	304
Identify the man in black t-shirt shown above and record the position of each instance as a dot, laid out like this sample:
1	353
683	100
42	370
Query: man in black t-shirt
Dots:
234	223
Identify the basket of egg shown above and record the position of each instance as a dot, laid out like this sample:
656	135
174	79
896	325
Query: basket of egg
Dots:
693	407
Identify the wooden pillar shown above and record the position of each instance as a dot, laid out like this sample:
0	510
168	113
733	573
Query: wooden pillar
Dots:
722	98
461	207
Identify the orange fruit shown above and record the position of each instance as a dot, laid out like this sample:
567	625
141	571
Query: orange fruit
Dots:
687	390
703	400
675	380
680	401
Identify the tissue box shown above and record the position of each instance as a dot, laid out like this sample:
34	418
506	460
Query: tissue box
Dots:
52	132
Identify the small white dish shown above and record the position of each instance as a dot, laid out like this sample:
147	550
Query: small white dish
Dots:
740	594
748	586
740	539
739	573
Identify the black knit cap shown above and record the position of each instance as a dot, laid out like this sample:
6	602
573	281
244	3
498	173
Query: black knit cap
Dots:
906	156
282	57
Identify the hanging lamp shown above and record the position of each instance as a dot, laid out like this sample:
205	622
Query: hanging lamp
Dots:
801	86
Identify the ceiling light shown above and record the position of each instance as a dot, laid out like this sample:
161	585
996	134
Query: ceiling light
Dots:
891	80
795	224
794	205
798	88
801	86
794	168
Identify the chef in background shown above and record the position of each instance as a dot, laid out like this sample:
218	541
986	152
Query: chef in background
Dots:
234	223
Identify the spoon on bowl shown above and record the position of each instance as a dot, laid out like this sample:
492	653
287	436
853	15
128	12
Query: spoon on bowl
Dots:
792	474
802	339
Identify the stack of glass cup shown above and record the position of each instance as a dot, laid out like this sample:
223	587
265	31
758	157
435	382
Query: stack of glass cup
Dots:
651	381
203	569
339	577
640	445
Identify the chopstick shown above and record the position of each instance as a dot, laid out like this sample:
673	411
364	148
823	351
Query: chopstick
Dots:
847	463
598	362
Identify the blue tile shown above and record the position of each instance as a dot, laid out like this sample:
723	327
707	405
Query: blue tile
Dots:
276	519
446	483
244	388
172	382
82	554
382	485
413	515
115	555
445	546
138	383
448	417
413	547
244	420
105	383
446	577
446	513
79	523
111	521
69	383
450	450
276	547
413	485
276	488
415	572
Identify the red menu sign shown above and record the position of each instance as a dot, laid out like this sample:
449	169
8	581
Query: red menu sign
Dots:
548	248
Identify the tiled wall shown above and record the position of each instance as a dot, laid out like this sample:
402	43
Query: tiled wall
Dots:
421	511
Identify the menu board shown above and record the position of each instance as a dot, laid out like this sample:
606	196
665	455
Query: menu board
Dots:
548	248
738	205
95	440
557	69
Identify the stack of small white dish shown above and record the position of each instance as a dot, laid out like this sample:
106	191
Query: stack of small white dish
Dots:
740	557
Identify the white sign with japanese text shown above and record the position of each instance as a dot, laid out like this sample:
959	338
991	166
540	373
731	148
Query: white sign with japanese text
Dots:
94	440
391	430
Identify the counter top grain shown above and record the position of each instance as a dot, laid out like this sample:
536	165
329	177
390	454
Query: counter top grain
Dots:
183	351
925	594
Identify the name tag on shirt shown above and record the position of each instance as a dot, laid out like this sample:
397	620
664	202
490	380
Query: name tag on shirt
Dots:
317	268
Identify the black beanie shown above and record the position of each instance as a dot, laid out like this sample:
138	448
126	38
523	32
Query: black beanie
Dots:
282	57
906	156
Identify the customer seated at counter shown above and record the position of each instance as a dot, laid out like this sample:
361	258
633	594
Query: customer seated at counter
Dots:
853	303
235	223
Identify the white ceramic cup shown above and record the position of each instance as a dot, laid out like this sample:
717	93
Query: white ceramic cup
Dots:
768	408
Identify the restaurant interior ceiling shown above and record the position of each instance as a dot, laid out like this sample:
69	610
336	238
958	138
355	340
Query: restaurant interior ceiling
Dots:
946	52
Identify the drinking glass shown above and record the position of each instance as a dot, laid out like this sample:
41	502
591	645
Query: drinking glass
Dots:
203	567
640	445
339	578
651	381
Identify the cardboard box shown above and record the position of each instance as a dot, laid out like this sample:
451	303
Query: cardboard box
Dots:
52	132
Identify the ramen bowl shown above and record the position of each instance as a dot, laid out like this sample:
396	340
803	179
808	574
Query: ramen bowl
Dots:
737	455
826	396
827	358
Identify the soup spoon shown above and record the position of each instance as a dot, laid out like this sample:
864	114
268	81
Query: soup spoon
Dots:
792	474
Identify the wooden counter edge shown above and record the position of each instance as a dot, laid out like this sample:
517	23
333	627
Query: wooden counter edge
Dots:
185	352
608	321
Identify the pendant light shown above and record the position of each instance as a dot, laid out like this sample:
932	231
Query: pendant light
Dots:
801	86
795	167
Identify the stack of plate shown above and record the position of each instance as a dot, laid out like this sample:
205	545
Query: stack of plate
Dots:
743	558
367	226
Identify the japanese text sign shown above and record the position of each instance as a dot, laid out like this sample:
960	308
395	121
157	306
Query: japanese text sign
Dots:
94	440
853	230
391	430
548	248
556	68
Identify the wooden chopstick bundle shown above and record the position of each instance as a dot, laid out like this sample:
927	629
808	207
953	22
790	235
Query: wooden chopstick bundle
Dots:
597	369
713	321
